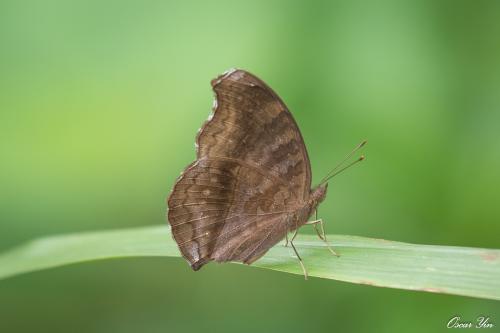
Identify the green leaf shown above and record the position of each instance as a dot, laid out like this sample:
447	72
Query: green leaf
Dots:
441	269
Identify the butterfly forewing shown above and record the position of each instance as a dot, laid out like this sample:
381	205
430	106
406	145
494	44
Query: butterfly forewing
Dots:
253	125
252	172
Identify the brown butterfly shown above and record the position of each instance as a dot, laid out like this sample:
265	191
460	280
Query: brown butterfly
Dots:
251	182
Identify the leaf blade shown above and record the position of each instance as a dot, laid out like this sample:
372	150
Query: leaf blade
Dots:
462	271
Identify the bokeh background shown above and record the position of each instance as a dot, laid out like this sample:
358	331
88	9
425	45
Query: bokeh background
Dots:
101	101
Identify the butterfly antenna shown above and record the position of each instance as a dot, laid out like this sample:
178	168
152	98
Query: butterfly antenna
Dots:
338	169
361	158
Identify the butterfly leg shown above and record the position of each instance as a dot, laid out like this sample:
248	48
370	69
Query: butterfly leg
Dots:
326	240
298	256
315	224
294	235
322	234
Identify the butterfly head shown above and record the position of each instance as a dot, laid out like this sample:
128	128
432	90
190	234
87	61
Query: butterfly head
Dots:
318	193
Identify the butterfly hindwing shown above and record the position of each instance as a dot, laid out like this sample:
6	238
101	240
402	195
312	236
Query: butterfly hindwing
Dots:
216	210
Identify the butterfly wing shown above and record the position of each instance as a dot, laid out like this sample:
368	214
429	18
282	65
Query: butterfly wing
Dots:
219	209
251	123
252	171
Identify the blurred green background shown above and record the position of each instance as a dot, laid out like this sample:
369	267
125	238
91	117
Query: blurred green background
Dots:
100	104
